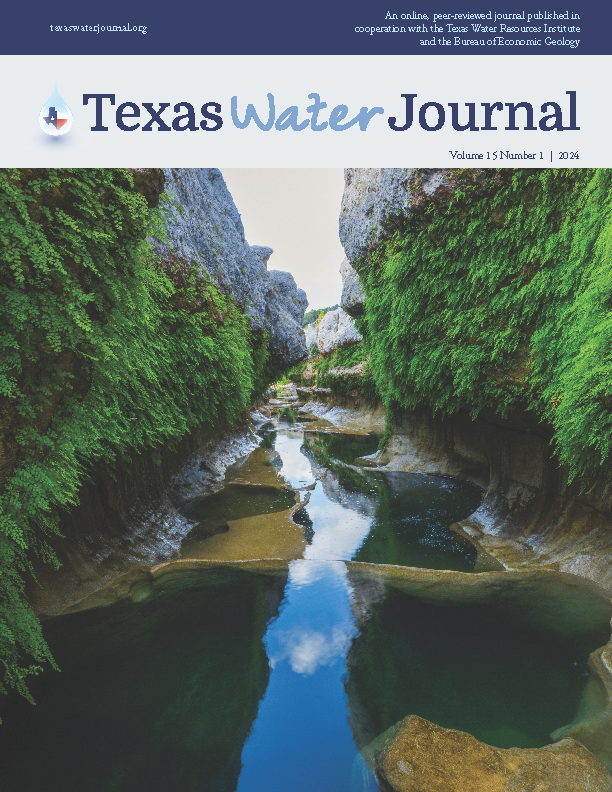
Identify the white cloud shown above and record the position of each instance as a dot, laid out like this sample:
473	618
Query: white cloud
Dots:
308	650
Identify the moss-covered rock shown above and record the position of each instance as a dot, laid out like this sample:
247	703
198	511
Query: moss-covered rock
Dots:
109	350
490	289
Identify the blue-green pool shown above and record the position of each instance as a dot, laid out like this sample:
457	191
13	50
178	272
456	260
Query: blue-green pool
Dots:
224	679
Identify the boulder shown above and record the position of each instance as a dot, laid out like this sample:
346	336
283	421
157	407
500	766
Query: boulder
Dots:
335	329
418	756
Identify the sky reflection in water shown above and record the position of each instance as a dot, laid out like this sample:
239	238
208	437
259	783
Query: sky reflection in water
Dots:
301	738
227	679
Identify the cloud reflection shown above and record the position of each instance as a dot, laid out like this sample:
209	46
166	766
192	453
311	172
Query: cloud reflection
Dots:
308	650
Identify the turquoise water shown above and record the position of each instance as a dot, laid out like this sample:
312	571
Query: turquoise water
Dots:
225	680
473	668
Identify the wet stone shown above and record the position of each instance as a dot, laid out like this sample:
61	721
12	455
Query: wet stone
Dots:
418	756
264	653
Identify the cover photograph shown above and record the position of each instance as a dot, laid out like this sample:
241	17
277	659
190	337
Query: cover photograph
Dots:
306	423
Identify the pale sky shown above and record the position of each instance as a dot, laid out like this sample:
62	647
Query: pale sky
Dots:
294	211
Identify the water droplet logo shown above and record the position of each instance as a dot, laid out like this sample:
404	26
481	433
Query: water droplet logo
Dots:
55	117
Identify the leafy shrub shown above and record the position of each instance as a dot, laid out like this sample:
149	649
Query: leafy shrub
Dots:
501	299
106	351
347	357
316	314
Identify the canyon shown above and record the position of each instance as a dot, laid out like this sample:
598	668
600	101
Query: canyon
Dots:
538	541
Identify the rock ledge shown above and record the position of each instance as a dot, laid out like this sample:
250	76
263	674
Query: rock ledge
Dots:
418	756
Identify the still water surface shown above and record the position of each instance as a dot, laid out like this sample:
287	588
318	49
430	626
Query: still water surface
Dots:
228	680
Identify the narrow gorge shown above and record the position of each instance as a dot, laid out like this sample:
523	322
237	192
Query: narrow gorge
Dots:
245	551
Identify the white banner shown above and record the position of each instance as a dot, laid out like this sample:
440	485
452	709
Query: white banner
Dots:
309	111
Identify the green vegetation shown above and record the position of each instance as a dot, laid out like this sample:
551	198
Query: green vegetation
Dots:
348	357
106	351
287	415
501	299
295	373
317	314
344	384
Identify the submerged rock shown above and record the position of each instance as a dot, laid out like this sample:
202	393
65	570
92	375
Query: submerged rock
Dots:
206	232
418	756
593	723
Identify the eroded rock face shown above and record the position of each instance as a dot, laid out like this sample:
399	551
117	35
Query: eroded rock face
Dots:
208	233
353	296
131	516
337	327
593	723
377	200
530	516
294	300
418	756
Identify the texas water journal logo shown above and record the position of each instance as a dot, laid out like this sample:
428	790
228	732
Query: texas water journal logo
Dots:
55	118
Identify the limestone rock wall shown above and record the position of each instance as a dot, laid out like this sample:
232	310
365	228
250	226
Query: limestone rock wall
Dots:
378	200
128	515
206	230
530	516
353	296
